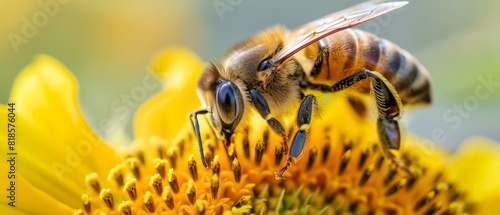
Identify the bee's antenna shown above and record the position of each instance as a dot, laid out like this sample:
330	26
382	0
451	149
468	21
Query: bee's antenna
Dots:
196	127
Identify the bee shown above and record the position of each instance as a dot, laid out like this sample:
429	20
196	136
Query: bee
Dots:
271	71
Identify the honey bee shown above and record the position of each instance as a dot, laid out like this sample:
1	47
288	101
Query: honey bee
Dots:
271	71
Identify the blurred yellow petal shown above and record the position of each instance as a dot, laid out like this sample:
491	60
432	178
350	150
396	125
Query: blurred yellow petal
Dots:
29	199
54	142
166	113
476	167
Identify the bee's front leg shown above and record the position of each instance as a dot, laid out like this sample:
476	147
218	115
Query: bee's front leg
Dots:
304	117
264	111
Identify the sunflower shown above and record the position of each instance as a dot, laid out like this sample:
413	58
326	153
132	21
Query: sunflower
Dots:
62	167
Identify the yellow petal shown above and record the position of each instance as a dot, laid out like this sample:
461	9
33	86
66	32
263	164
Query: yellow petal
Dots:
477	170
56	145
166	113
27	198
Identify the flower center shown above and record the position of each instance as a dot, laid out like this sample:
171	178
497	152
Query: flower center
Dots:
342	170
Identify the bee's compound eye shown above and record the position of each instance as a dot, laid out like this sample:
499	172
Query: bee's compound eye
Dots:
227	102
265	64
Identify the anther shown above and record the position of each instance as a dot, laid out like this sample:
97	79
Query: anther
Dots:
246	144
259	151
346	157
390	175
133	164
397	186
278	154
79	212
93	181
107	197
161	166
366	175
125	207
241	201
326	150
231	152
191	191
215	165
200	207
140	156
313	153
131	189
424	200
172	180
236	170
149	204
380	162
160	146
434	208
156	183
214	186
172	155
116	174
362	158
86	203
192	167
209	156
168	198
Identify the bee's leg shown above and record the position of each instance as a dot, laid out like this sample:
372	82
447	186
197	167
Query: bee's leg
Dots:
304	117
389	107
196	127
264	111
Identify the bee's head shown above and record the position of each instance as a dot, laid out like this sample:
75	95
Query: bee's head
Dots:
222	98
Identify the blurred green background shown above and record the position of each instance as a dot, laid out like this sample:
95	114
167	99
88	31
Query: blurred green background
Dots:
108	45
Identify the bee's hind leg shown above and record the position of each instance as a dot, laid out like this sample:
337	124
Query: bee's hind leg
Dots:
389	108
304	117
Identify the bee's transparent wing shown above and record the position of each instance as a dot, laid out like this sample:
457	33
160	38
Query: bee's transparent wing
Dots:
335	22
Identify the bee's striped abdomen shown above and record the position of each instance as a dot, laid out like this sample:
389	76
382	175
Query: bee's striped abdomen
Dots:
351	51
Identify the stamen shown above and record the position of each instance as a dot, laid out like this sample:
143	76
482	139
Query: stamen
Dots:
362	158
192	167
140	156
241	201
172	180
172	155
215	165
231	151
326	150
107	197
397	186
380	162
116	174
168	198
131	189
125	207
390	175
156	182
191	191
434	208
214	186
424	200
259	151
160	144
86	203
149	204
313	153
200	207
161	166
161	151
236	170
346	157
246	144
209	156
133	164
366	175
92	180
